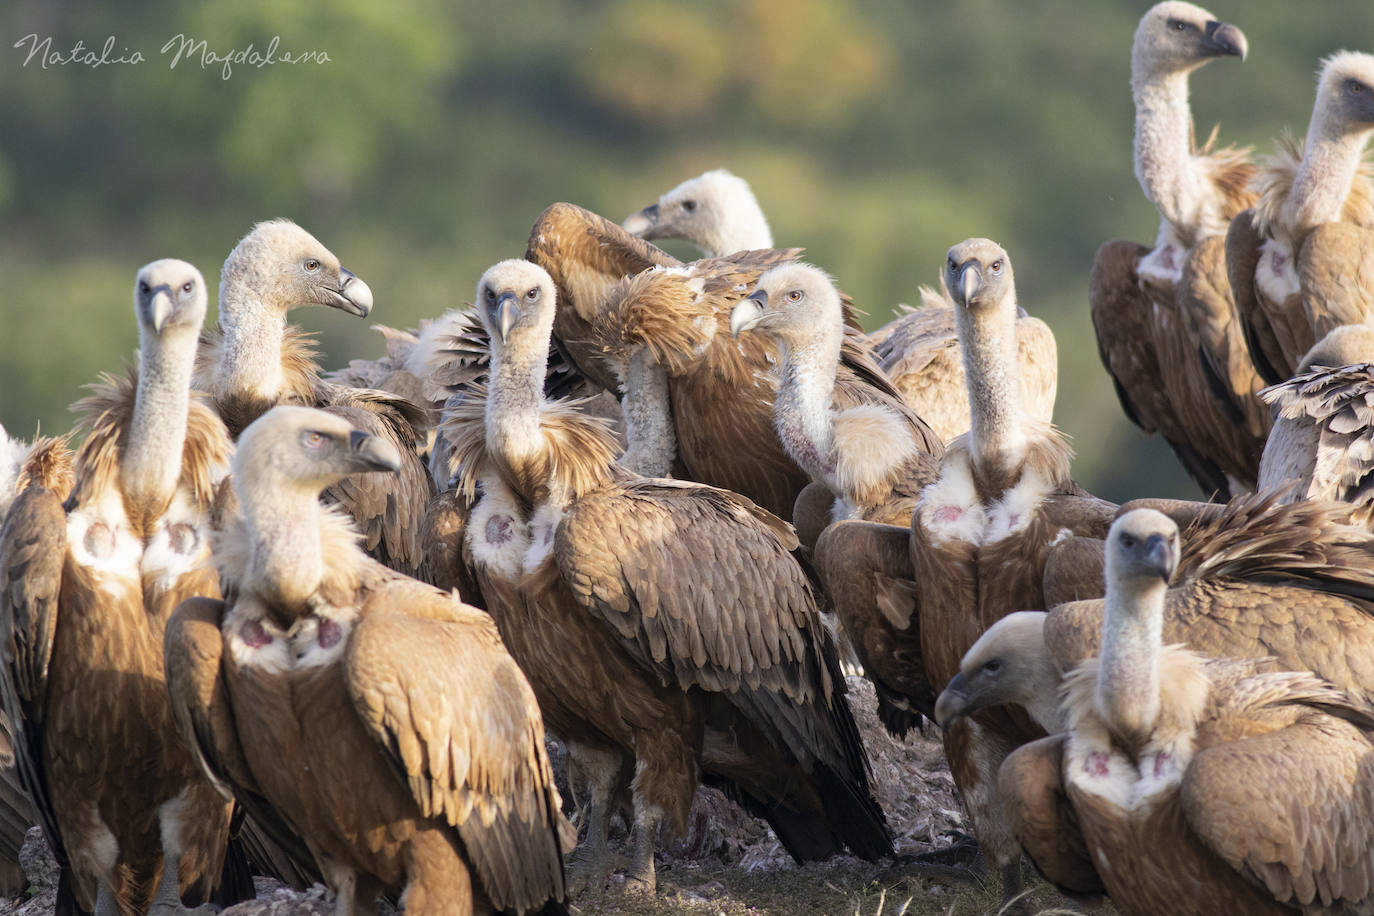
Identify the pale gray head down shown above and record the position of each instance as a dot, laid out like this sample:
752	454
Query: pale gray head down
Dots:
1009	664
281	266
793	303
302	448
1178	37
1142	549
1345	90
169	295
697	209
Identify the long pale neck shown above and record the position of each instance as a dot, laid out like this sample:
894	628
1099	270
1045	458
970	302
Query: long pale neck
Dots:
988	339
151	463
1128	669
648	417
1330	160
1163	147
517	392
802	409
287	563
253	335
746	229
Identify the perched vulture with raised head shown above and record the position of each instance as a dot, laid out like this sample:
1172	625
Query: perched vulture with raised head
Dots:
1166	323
637	318
920	352
1322	443
380	717
976	550
1302	260
862	444
88	586
253	360
665	627
1175	784
716	211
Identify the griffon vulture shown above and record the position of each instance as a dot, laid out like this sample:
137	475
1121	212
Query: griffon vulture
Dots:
1191	785
664	625
717	414
88	586
253	360
1321	445
381	717
1300	261
44	462
715	211
976	549
1166	323
869	451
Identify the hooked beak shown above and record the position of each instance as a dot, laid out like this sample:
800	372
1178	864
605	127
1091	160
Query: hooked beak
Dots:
970	278
952	702
1159	556
374	452
160	307
353	295
642	223
1224	38
507	314
748	312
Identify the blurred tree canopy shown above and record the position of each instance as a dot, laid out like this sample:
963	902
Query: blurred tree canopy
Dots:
875	132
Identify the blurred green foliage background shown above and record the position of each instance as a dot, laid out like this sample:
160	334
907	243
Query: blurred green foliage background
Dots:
875	132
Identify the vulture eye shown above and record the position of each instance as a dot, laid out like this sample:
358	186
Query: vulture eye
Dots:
532	294
313	439
997	266
491	294
311	265
794	296
1178	25
689	205
993	666
1355	87
143	287
188	286
952	266
1127	541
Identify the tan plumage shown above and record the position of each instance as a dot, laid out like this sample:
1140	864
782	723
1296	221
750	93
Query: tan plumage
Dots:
718	418
1165	319
253	360
1181	774
874	456
919	350
88	588
1320	445
380	717
662	623
1298	260
44	462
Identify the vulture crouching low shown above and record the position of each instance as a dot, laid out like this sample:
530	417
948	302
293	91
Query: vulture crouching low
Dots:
381	718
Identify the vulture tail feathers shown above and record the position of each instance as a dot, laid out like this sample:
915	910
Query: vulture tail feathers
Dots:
804	834
896	712
236	875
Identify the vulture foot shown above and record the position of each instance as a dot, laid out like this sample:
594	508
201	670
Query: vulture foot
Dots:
963	852
641	877
1015	899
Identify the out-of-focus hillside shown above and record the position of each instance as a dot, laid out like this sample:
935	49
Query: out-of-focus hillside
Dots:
875	134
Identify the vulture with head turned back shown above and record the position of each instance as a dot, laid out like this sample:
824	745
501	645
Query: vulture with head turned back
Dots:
716	211
253	360
870	452
1176	783
1321	444
1300	261
1166	323
977	546
380	717
88	587
708	396
664	625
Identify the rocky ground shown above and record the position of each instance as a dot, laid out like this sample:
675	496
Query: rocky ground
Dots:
730	864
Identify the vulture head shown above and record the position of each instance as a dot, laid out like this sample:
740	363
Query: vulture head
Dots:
281	266
978	274
1177	37
794	303
516	300
304	450
716	211
169	298
1347	345
1009	664
1345	93
1142	550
